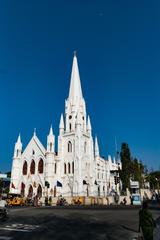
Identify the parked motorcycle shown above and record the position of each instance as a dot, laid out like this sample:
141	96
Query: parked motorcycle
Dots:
62	202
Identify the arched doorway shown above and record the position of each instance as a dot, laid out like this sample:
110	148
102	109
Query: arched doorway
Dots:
30	191
22	189
39	191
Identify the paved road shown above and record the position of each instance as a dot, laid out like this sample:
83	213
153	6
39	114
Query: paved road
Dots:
71	223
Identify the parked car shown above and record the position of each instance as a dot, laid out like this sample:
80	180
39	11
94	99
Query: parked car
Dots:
16	200
78	200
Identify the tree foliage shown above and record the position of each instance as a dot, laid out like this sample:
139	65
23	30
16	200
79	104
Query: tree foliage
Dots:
126	165
137	171
154	179
132	169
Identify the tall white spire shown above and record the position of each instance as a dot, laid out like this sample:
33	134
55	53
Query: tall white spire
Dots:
18	147
75	92
96	148
50	141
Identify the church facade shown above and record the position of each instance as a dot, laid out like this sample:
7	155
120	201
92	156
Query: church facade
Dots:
76	169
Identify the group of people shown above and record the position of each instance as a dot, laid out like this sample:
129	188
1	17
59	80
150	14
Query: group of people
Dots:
156	196
116	199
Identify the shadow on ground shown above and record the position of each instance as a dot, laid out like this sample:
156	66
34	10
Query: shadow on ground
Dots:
73	226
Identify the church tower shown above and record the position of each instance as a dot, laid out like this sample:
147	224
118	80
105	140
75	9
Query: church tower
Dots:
75	141
16	165
50	167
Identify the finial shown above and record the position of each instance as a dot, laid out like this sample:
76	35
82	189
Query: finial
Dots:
75	53
34	132
19	138
51	130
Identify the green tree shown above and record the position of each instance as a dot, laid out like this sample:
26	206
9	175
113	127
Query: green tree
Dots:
154	179
138	172
126	171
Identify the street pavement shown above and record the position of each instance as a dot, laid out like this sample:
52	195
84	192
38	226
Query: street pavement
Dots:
97	223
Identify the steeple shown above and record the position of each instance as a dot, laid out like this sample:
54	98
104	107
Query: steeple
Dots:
50	141
75	92
96	148
75	109
18	148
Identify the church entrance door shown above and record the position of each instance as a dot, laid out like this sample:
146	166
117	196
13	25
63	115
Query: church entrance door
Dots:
39	191
30	192
22	189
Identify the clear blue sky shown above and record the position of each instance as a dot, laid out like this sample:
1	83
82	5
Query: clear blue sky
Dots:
118	48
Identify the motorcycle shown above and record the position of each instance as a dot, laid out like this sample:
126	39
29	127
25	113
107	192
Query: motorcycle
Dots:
62	202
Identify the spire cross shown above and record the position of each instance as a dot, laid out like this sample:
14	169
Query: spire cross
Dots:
75	52
34	131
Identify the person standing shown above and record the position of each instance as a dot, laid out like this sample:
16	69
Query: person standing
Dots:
146	222
116	198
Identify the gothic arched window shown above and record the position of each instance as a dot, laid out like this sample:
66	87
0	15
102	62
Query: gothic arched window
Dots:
65	168
70	126
69	146
69	168
32	167
40	166
25	168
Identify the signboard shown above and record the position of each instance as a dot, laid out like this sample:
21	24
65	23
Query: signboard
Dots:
3	175
134	184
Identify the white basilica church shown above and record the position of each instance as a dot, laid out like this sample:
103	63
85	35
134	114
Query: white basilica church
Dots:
76	169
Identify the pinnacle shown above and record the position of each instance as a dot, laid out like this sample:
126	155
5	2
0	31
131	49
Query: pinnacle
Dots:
61	125
51	130
19	138
75	92
89	124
